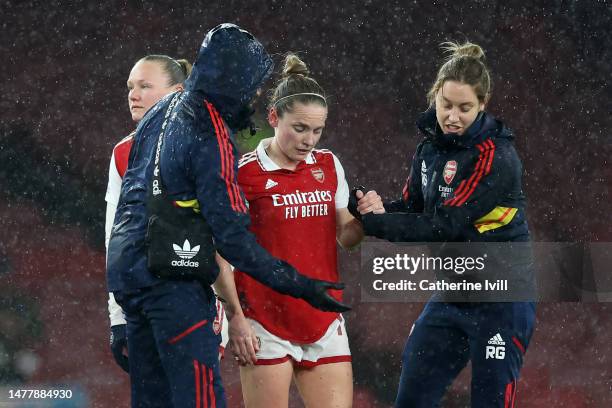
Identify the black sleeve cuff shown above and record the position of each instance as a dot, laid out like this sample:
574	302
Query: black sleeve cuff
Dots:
395	206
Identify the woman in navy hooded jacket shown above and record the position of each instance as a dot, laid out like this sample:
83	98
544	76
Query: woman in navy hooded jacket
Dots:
464	186
173	346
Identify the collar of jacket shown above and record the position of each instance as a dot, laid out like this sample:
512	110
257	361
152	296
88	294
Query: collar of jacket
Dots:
476	133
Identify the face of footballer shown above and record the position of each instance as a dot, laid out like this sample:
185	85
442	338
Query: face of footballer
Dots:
457	107
296	132
147	84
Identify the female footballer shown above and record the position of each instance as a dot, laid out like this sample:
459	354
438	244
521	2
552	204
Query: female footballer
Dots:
297	197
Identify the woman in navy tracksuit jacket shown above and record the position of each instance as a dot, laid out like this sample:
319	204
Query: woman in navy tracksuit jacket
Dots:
464	186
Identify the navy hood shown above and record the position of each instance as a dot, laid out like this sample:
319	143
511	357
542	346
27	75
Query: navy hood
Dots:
231	65
484	125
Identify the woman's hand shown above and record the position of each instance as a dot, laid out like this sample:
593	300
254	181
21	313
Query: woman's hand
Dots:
369	202
243	342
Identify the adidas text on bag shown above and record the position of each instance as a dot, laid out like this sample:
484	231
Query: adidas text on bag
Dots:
186	253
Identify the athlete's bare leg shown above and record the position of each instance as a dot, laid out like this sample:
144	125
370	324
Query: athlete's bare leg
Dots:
266	386
326	385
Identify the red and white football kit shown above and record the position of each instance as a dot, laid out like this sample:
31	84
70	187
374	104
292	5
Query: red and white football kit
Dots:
293	215
116	170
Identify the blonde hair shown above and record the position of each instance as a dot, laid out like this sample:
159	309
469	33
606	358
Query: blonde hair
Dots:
464	64
295	85
177	70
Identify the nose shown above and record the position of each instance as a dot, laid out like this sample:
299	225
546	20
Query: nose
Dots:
309	139
134	94
453	116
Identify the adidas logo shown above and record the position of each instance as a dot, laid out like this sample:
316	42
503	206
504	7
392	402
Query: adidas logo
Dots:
270	183
496	348
497	340
186	253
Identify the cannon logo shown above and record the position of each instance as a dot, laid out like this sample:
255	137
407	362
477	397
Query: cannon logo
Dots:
186	253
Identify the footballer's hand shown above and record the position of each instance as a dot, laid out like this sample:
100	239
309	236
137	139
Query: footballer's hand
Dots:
118	345
318	297
370	202
244	344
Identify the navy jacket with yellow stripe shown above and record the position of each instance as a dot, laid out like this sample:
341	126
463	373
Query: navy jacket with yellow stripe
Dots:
461	188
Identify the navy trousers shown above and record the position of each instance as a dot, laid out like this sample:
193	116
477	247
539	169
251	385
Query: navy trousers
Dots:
494	336
173	349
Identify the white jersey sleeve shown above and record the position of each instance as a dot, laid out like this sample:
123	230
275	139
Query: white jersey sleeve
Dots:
342	191
113	190
114	311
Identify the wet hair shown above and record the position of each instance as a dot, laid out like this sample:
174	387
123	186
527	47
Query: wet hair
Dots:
177	70
295	85
465	64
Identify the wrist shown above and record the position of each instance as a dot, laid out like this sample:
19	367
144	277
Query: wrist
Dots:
289	281
231	314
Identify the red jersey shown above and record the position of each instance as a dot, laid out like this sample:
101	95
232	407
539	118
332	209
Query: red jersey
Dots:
293	215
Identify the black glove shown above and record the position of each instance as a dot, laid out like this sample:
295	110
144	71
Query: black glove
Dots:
285	279
316	294
118	341
353	202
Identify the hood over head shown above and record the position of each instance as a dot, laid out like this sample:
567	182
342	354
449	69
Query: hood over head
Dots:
229	69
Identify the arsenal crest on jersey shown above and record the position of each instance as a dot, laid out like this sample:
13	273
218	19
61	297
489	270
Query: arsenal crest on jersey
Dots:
318	174
449	171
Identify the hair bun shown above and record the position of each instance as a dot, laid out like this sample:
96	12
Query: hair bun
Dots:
294	66
185	65
466	49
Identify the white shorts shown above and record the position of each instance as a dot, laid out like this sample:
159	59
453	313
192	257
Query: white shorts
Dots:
333	347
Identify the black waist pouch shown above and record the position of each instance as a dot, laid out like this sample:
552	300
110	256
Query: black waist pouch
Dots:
181	248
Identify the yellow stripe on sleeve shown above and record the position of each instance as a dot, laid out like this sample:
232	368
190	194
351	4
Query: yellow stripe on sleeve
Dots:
498	217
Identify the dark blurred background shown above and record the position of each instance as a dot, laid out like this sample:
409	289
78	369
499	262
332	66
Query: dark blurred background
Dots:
64	106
